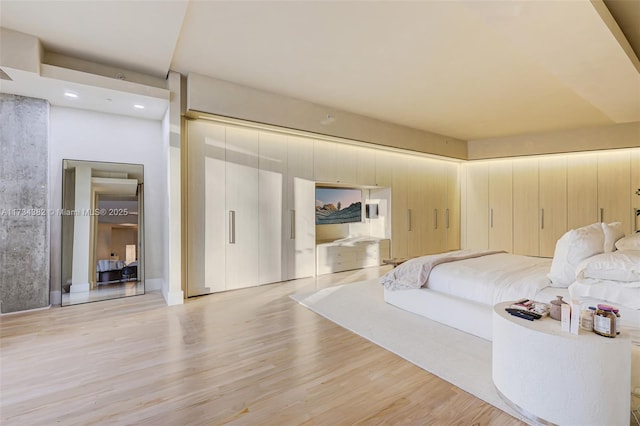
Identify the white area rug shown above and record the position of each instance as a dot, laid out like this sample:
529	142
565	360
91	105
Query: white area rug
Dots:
457	357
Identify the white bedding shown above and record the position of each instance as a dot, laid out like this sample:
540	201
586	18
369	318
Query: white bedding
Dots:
608	291
492	279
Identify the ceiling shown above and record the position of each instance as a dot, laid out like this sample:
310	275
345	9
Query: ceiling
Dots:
465	69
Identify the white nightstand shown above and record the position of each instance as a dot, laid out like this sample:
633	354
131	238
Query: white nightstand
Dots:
552	376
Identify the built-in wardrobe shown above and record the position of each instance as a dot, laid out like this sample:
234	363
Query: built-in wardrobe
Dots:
250	207
250	201
524	205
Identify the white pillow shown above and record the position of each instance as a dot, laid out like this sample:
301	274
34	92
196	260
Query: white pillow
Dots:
571	249
612	233
618	266
632	242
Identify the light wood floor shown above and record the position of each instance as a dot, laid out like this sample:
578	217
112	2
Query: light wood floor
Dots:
246	357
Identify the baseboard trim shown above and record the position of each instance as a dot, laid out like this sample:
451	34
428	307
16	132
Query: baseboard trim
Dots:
25	311
79	288
174	297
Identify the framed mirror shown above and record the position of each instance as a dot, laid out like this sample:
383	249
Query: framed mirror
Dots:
102	231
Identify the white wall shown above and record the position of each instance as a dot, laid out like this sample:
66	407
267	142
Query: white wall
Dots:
86	135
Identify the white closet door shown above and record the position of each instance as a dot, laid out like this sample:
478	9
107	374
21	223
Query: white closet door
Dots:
206	259
346	170
243	208
300	221
273	207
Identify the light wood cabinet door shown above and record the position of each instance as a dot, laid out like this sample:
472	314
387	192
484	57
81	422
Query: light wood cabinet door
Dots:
273	207
501	206
300	225
399	206
614	182
553	203
477	209
365	166
243	208
418	219
582	190
435	235
383	168
452	207
345	159
205	210
324	161
526	211
635	190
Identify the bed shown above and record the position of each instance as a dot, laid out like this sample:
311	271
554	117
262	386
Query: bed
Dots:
460	288
114	271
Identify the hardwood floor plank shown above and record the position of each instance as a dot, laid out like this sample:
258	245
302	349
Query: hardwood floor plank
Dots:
244	357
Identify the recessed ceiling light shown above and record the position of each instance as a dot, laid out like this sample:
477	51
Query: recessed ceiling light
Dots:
70	95
138	106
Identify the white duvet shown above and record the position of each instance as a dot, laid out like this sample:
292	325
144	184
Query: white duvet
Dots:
488	279
492	279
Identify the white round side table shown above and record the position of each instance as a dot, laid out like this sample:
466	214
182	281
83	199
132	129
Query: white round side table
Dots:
552	376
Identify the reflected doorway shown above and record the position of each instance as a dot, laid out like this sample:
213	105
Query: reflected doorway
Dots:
102	231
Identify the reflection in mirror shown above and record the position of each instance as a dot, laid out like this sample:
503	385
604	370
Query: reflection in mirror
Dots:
102	231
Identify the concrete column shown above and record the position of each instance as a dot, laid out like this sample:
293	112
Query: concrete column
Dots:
81	231
24	203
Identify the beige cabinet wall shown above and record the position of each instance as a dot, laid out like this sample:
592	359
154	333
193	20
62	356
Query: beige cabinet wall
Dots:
251	209
532	202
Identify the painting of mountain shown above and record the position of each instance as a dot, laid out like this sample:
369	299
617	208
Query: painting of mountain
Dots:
338	205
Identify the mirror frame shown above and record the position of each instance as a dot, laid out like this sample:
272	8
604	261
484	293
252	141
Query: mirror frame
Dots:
104	175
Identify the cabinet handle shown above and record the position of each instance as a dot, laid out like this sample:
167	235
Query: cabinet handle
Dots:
601	214
634	219
491	218
446	218
408	219
435	218
232	227
541	218
293	224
